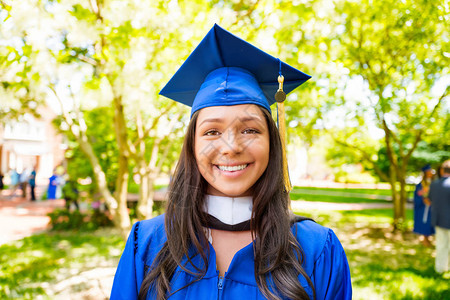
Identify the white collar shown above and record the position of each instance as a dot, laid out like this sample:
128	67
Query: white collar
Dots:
229	210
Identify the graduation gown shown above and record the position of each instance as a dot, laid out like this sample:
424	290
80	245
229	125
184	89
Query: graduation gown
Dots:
422	214
325	262
53	183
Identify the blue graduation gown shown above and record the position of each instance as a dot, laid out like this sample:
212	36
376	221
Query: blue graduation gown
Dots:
420	214
53	183
325	262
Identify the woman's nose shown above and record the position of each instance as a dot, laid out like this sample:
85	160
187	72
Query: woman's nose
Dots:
232	143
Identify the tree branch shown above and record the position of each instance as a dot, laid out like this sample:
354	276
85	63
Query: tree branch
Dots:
420	132
365	156
64	113
166	150
440	100
147	129
387	138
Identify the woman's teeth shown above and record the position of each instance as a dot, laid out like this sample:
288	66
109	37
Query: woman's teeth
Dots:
232	168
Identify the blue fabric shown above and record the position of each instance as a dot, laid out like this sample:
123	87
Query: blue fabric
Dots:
218	50
426	168
14	178
440	202
229	86
325	263
52	185
32	180
421	227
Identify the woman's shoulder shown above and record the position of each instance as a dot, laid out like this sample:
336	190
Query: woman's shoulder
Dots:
311	235
152	224
149	235
316	241
324	261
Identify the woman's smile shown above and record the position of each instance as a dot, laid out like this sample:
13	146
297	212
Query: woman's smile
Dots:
232	168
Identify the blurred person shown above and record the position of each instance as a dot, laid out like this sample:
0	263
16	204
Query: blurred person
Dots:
32	183
422	211
54	182
440	217
60	183
439	171
1	181
14	179
23	180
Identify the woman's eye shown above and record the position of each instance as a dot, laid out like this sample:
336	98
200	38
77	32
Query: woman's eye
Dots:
212	132
250	131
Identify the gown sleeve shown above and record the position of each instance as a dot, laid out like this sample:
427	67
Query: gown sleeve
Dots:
130	272
332	272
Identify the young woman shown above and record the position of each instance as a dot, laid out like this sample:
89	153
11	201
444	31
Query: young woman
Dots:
227	232
422	207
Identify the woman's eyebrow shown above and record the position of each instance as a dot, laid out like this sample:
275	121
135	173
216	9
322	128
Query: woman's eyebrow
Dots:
250	118
211	120
244	119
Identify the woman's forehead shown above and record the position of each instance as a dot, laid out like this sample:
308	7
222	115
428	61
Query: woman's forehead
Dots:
241	113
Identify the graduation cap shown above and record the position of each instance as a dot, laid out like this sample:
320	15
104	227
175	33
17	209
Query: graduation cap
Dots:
426	168
225	70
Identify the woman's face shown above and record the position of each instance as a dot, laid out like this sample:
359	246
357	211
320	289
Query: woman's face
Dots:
231	148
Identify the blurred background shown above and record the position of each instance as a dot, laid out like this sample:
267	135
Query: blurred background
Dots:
80	111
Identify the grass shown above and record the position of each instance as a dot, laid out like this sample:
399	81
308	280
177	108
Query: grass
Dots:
335	199
382	192
384	265
29	266
346	190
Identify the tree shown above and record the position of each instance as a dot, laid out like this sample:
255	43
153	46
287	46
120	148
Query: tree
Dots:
396	52
110	54
19	77
118	54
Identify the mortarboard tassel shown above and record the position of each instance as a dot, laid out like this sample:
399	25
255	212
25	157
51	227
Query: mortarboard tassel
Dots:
280	96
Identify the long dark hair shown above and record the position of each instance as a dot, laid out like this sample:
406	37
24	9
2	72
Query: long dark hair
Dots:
278	256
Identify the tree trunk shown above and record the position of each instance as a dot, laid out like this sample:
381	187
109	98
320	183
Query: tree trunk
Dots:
99	175
123	218
146	193
395	198
117	208
399	198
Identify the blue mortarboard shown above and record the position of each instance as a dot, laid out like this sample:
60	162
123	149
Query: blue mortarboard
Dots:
426	168
226	70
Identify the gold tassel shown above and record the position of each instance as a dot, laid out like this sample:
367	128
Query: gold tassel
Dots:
280	96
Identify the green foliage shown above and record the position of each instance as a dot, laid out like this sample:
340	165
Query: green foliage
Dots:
429	153
397	50
354	177
433	154
26	266
158	208
63	219
100	132
82	13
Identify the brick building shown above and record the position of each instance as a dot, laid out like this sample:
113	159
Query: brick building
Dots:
31	142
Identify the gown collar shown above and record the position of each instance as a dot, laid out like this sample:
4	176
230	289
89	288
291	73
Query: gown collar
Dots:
228	213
